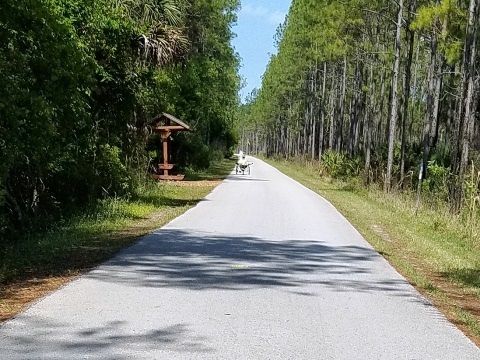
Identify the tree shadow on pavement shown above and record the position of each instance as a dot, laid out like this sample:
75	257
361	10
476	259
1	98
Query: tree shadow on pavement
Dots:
179	259
202	261
247	178
47	339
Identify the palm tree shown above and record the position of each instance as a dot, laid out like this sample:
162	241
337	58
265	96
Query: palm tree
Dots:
163	38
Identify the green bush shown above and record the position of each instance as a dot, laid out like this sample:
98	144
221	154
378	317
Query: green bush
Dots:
231	140
436	183
111	175
191	150
338	165
333	162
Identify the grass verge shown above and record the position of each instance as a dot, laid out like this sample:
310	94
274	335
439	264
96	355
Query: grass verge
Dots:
431	249
44	262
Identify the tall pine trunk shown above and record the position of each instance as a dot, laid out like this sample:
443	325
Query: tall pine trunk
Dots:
393	107
369	126
322	113
341	111
332	107
406	89
467	102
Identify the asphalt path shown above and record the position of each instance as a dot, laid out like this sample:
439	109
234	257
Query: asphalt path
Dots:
262	268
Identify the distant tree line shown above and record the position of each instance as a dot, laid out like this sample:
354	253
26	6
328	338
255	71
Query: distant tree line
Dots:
382	85
79	79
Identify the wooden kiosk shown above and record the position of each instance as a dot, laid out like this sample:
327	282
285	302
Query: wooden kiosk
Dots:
164	125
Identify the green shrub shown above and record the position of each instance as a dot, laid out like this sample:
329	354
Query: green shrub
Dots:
111	175
436	183
334	162
191	150
338	165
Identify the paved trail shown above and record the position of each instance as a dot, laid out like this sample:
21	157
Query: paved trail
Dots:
261	269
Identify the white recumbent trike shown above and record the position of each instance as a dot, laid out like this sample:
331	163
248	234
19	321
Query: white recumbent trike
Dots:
242	166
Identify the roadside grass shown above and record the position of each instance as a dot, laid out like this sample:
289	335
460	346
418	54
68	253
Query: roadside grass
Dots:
43	262
434	250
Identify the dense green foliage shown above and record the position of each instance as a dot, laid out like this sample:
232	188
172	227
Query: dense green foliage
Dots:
375	87
81	78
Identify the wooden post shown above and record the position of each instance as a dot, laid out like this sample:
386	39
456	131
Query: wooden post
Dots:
165	135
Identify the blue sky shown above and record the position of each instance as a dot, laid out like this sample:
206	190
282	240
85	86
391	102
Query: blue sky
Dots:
255	29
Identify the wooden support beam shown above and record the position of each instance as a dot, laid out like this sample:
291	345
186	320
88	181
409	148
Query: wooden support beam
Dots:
165	155
168	177
170	128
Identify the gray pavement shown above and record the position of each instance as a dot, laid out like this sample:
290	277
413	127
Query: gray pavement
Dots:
263	268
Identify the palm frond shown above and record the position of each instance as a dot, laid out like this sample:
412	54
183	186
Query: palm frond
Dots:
163	39
165	45
149	12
